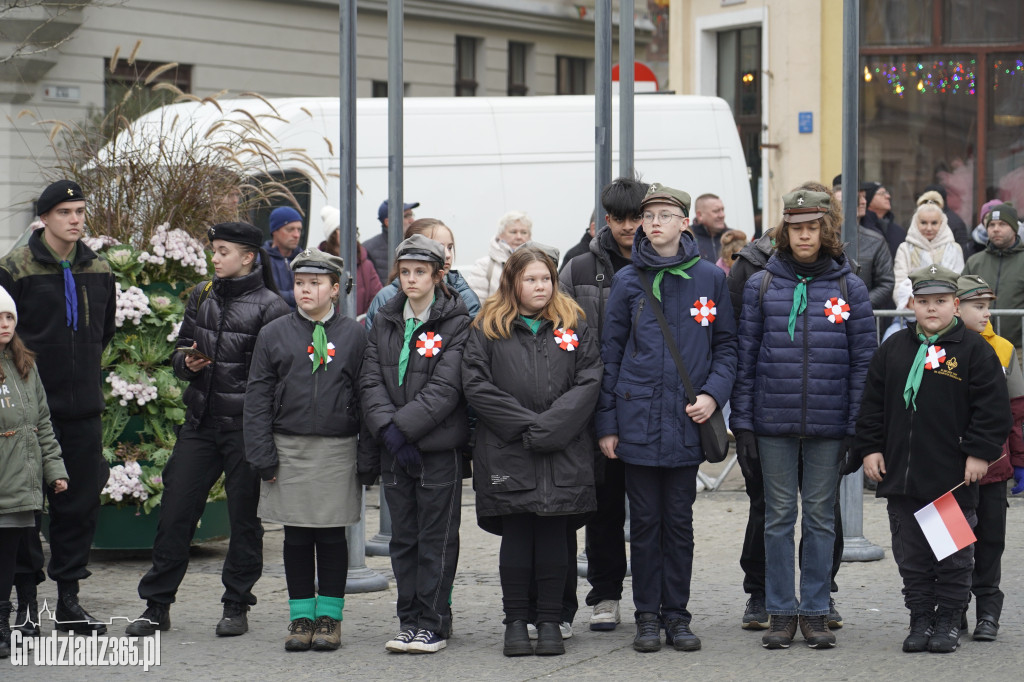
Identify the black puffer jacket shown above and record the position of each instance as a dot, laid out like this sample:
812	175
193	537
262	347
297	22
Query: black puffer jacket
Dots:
283	395
751	258
534	401
589	279
428	408
224	326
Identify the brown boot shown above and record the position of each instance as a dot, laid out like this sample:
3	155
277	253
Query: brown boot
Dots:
327	635
815	631
300	635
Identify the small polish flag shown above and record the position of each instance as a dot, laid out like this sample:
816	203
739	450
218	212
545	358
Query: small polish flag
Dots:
945	526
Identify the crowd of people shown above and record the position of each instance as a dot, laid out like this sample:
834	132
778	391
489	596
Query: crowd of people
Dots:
562	394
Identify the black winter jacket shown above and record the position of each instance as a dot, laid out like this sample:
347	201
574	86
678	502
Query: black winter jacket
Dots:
68	360
963	408
224	326
588	278
377	250
534	452
284	395
751	258
428	408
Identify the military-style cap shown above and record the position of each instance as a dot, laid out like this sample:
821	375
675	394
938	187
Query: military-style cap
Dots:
970	287
239	233
934	279
419	247
315	261
1006	212
660	194
549	251
803	206
58	193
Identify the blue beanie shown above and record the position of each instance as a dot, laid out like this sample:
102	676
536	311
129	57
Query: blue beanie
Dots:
283	215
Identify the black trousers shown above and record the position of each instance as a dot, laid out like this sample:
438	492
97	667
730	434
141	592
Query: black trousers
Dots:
73	513
199	457
426	514
570	601
988	550
9	540
752	559
606	540
928	583
315	558
533	555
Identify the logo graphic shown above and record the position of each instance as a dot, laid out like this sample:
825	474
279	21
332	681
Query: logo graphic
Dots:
837	310
330	353
704	311
428	344
566	339
935	357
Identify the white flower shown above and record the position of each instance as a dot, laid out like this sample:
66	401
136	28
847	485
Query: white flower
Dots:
132	304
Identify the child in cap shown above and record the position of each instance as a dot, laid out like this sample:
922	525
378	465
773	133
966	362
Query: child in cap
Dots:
935	412
302	423
30	455
411	393
975	298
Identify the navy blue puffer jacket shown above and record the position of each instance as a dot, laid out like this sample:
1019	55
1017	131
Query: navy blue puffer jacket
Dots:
642	397
810	385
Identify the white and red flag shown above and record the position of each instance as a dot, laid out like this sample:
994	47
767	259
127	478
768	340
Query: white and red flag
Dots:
945	526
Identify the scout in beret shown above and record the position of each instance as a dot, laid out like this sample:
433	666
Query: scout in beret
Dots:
660	194
410	393
804	205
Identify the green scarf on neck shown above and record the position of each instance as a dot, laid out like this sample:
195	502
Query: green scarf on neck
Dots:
674	270
917	367
799	303
319	347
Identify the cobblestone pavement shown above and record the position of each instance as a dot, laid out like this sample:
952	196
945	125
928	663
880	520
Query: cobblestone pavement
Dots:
869	600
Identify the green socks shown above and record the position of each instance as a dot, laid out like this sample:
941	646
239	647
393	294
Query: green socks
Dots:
330	607
302	608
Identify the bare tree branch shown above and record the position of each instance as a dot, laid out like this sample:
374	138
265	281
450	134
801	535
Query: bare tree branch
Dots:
38	40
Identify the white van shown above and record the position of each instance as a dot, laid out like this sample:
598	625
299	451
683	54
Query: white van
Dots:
469	160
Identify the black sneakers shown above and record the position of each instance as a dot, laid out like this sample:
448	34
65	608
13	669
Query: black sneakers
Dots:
986	630
648	633
835	621
755	617
155	617
946	636
234	622
679	636
921	629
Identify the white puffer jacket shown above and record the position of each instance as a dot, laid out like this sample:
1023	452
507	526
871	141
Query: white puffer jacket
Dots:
917	251
485	275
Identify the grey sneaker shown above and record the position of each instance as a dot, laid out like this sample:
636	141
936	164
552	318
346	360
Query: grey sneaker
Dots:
564	627
606	615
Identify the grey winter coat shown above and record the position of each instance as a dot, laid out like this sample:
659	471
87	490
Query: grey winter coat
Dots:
534	399
874	267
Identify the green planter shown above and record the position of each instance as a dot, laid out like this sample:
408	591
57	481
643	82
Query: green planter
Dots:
128	528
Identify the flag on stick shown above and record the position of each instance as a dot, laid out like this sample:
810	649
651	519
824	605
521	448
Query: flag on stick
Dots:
945	526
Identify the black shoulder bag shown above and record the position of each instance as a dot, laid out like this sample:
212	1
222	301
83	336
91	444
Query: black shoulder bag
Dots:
714	441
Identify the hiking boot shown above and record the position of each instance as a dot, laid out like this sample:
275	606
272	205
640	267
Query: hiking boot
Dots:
648	633
835	621
327	634
399	644
426	642
234	622
71	617
781	632
5	628
549	639
606	615
946	635
921	629
27	620
755	616
300	634
986	630
155	617
678	634
816	633
517	641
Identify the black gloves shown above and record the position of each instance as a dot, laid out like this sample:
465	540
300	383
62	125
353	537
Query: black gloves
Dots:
393	438
409	456
848	462
746	451
367	478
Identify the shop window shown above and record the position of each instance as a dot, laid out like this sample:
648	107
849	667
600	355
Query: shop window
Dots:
897	22
465	66
973	22
1004	144
571	75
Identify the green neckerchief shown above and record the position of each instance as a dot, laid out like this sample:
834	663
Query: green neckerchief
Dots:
411	325
917	368
674	270
533	324
799	303
319	347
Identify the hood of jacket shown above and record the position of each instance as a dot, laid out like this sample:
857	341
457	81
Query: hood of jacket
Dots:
943	238
603	245
499	251
274	254
233	287
758	251
644	255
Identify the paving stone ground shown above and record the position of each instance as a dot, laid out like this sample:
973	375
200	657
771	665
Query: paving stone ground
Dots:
869	600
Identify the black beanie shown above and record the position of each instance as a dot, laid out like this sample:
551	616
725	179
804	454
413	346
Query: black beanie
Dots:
870	189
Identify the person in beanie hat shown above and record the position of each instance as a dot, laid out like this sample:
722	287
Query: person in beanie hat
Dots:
66	296
1001	264
282	247
304	449
935	413
215	344
411	394
879	216
25	459
377	246
367	282
975	298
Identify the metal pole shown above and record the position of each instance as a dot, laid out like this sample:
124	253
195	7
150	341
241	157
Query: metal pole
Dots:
627	54
851	490
380	544
360	578
396	92
603	104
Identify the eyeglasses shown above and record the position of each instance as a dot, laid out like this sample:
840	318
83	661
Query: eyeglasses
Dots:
663	217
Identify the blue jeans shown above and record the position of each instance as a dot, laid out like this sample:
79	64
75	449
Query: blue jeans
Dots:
780	460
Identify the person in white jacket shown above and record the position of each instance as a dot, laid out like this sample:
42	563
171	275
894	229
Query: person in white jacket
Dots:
514	229
929	240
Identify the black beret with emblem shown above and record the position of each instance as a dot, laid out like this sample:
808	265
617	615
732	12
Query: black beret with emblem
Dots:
239	233
58	193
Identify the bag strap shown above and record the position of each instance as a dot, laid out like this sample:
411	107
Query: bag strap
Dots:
669	339
204	294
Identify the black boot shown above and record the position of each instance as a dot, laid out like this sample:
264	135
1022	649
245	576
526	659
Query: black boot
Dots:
235	621
549	639
27	620
517	640
922	626
946	636
5	629
71	617
157	616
